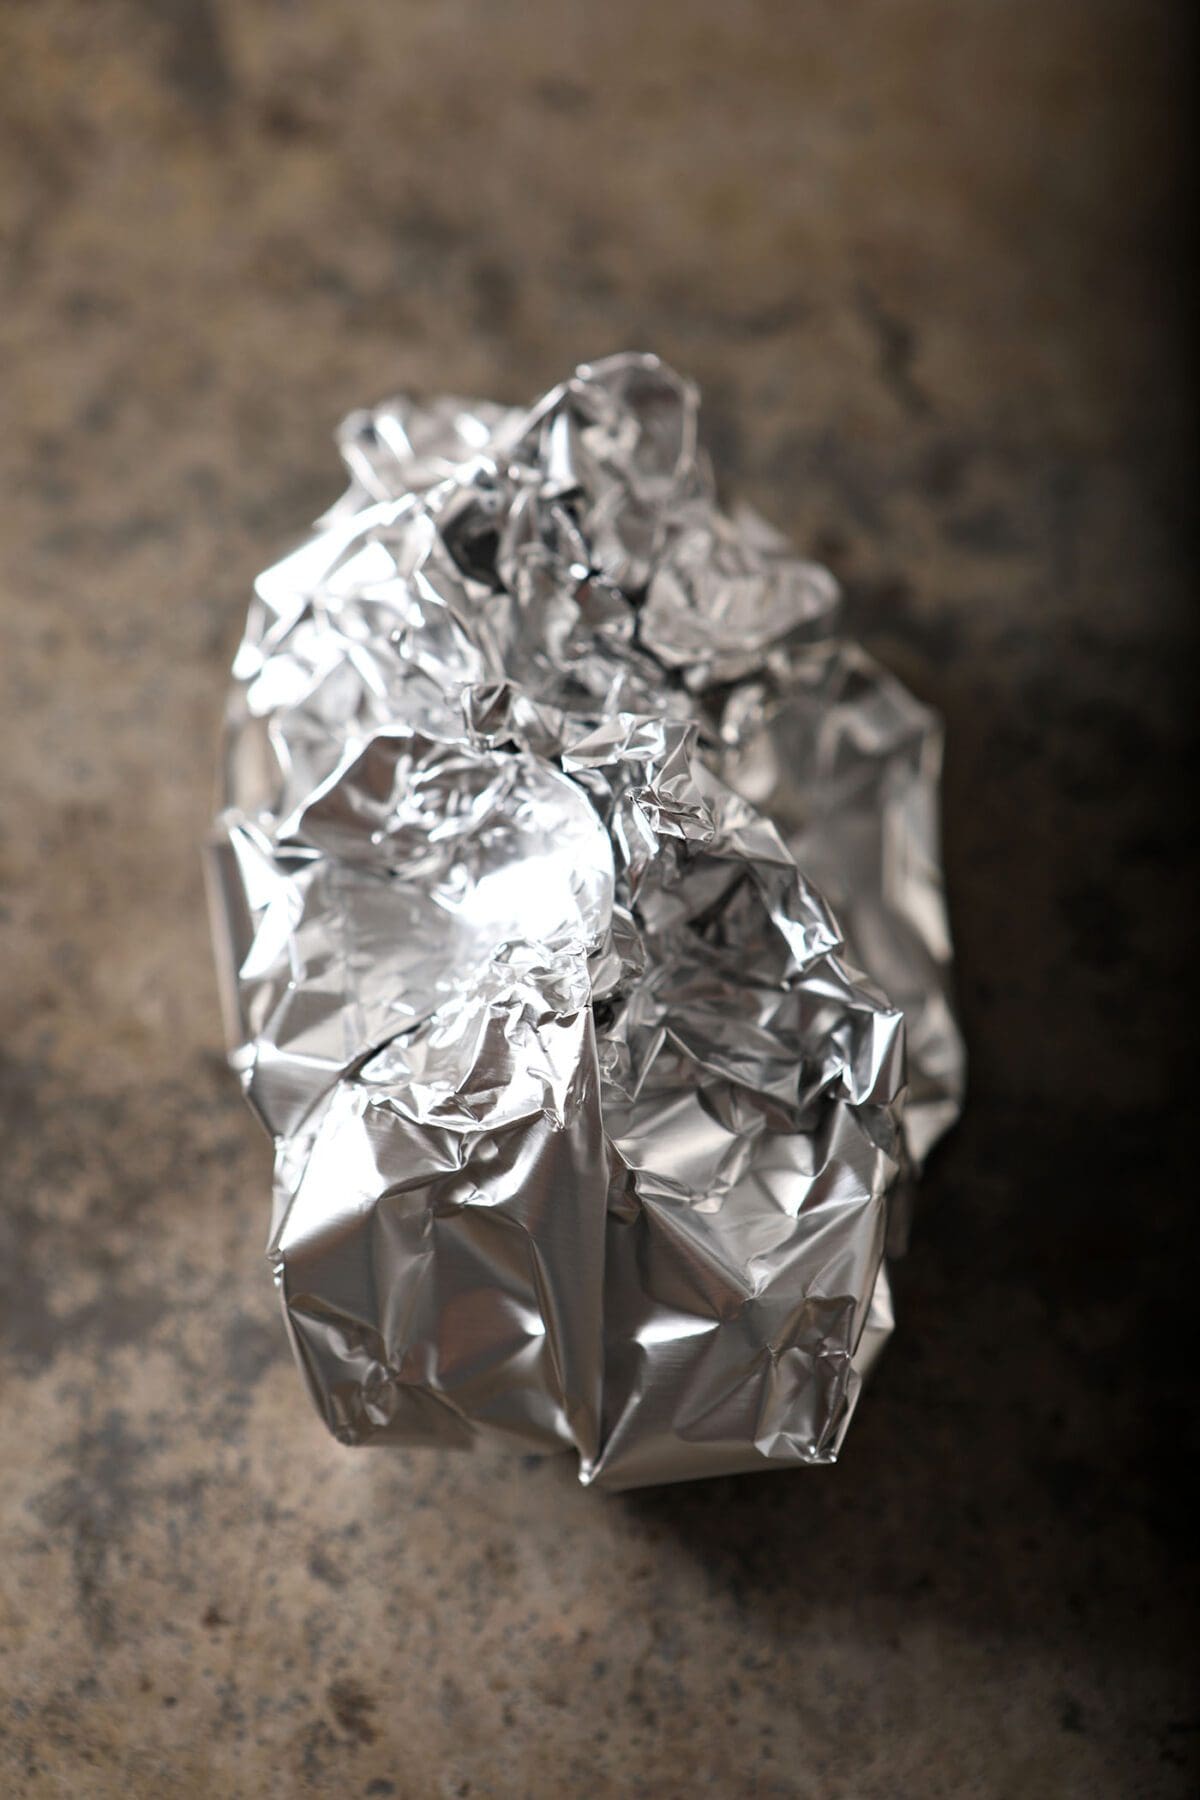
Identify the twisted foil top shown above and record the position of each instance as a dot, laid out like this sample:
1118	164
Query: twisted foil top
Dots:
588	1130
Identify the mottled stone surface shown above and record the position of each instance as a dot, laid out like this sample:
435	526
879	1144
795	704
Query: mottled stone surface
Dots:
920	256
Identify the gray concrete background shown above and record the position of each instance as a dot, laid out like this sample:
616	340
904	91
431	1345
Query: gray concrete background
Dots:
921	256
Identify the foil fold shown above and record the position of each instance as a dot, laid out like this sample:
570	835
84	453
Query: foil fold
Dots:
575	886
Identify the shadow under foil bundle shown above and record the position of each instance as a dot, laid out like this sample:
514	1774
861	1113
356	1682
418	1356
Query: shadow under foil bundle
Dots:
589	1131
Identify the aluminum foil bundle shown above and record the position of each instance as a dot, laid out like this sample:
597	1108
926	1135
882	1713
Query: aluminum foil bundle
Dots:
589	1132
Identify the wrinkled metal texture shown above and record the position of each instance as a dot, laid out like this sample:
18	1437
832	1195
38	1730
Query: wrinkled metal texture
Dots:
588	1130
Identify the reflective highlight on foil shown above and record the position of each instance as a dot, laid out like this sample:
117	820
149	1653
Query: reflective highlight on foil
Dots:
589	1131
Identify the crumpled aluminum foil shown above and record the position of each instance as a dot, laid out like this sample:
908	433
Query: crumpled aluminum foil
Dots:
588	1130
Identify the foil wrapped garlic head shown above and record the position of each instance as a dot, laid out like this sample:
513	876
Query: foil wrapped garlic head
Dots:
576	889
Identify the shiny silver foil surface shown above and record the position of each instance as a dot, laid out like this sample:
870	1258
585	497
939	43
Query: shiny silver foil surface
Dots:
593	1122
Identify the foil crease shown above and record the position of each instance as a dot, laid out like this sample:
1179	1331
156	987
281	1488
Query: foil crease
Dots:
593	1123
